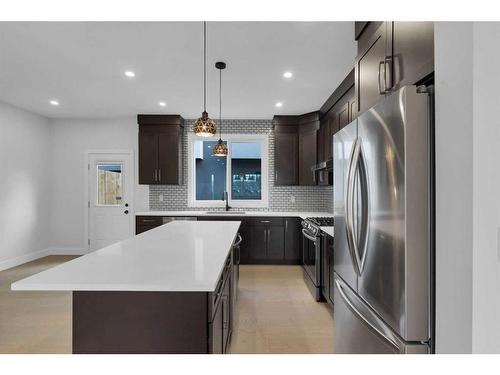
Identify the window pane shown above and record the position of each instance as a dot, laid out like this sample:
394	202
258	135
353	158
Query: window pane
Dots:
246	164
109	184
210	172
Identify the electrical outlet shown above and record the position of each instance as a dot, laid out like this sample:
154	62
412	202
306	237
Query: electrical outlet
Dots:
160	197
292	198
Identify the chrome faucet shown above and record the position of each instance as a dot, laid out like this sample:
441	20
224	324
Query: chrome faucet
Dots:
225	197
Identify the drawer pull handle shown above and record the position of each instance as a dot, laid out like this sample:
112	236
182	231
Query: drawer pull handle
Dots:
265	221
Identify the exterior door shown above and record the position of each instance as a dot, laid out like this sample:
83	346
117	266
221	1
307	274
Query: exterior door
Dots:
343	143
110	201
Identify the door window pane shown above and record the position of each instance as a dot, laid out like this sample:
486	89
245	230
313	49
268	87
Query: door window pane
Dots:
210	172
109	185
246	166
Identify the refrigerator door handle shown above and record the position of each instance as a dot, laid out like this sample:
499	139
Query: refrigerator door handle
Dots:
369	317
365	199
351	179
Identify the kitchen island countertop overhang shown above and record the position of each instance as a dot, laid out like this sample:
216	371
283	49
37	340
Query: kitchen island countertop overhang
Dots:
181	256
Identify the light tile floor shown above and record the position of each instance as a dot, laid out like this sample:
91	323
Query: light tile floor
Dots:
275	313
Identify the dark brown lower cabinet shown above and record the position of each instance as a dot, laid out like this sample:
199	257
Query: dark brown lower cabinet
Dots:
215	332
293	240
275	243
145	223
265	240
327	268
123	322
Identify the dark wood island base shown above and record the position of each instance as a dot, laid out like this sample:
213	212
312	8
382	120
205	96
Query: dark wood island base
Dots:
128	322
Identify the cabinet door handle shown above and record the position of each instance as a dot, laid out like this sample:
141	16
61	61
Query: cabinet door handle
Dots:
159	175
155	176
380	91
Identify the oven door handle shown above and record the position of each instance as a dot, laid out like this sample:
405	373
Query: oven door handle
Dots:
308	236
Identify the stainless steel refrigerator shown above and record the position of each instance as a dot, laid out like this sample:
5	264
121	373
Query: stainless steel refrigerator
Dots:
383	227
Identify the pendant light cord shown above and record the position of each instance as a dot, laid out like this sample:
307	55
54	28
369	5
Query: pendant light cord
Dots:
220	101
204	66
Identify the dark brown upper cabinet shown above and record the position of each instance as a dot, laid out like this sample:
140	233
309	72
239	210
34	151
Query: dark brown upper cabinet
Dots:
295	149
160	149
373	73
286	150
413	52
391	55
308	148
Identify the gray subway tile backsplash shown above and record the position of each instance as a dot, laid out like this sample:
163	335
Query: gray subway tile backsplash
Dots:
307	198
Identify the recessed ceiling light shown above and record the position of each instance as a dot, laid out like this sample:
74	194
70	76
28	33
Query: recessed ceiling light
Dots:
162	104
279	104
129	74
54	102
288	74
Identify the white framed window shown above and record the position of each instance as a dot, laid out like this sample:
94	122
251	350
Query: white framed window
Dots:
243	173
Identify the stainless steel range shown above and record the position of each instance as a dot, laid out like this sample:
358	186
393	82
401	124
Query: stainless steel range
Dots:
311	252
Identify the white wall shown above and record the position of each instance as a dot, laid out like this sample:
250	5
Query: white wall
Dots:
24	186
71	139
486	135
467	187
453	66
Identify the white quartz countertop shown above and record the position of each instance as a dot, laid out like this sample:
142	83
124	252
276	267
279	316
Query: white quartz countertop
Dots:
176	257
327	230
302	215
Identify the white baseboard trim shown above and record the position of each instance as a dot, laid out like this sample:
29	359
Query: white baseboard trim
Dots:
67	251
9	263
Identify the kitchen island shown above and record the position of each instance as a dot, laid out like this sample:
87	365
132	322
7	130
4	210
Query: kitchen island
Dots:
169	290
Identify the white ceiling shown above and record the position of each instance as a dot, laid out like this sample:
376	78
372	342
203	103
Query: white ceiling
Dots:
82	66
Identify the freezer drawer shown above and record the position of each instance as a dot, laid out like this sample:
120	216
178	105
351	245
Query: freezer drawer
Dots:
358	330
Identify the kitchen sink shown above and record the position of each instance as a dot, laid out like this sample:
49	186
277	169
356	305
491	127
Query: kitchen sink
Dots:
221	213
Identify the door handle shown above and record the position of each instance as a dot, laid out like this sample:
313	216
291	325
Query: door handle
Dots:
156	175
387	61
380	91
238	241
349	202
308	236
159	175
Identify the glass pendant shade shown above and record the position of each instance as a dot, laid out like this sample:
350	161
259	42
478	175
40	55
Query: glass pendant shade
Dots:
204	126
220	149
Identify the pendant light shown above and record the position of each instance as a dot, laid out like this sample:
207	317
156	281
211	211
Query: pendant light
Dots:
204	126
220	149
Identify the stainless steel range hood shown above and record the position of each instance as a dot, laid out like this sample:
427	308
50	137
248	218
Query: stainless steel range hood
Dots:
326	165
